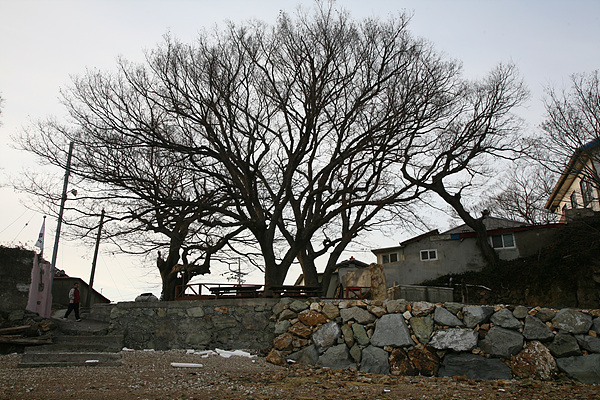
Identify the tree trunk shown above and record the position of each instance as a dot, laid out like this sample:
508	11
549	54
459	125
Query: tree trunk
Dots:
309	270
487	251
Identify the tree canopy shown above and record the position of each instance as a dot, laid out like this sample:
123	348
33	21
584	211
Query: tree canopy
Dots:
281	142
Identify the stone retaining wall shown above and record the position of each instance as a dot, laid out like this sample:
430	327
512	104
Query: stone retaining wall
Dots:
444	339
207	324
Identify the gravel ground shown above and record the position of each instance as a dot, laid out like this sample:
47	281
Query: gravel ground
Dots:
150	375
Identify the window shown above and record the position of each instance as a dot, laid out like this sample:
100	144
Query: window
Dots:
505	240
389	258
586	192
429	255
574	199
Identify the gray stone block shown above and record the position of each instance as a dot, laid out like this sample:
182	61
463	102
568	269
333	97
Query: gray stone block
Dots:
476	315
474	367
535	329
564	345
357	314
546	314
298	306
307	356
520	312
337	357
375	360
589	343
391	330
502	342
505	319
422	328
454	339
572	321
585	369
445	318
327	335
360	334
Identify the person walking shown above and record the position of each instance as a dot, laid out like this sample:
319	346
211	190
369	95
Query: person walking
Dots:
74	300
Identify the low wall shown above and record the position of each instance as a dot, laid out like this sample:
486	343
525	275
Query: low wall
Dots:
390	337
206	324
433	294
444	339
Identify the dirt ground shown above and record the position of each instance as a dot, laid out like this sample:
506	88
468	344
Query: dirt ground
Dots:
150	375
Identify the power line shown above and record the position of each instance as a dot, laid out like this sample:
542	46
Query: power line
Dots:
25	226
11	224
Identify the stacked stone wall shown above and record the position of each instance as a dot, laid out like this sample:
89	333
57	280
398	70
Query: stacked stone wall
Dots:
443	339
226	324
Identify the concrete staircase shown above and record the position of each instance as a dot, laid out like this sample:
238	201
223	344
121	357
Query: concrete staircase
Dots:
84	343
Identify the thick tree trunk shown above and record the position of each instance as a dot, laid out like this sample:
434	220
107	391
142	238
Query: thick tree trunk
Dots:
487	251
309	270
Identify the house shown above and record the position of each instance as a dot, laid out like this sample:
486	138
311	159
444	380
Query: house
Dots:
577	187
434	254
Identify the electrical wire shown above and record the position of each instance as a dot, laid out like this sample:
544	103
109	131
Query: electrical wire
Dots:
25	226
11	224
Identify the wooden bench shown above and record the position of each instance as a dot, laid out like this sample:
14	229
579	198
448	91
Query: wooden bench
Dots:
292	291
235	290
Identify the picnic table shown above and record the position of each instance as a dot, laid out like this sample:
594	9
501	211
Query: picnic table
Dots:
292	291
235	290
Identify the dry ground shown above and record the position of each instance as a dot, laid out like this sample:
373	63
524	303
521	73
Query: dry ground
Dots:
149	375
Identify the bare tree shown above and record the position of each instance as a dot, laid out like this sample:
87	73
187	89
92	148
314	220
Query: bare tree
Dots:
480	128
292	139
522	194
571	130
152	200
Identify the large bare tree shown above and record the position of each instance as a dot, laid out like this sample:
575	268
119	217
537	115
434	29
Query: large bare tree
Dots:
152	200
293	139
480	129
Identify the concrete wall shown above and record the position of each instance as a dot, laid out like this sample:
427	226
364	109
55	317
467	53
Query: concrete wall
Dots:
195	324
454	257
432	294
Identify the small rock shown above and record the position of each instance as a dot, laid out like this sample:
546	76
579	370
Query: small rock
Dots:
275	357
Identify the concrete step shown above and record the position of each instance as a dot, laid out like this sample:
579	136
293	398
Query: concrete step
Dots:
84	343
80	344
108	340
84	327
68	359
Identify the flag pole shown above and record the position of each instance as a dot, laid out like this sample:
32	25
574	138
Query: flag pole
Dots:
60	212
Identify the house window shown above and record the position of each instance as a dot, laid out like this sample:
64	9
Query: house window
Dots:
429	255
503	241
389	258
574	200
586	192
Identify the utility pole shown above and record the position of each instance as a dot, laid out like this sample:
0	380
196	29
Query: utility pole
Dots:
89	293
60	213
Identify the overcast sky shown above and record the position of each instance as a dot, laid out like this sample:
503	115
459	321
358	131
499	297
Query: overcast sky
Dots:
43	43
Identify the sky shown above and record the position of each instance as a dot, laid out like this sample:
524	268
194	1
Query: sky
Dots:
43	43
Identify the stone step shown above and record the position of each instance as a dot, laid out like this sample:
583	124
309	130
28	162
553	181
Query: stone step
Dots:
116	340
76	348
68	359
71	327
